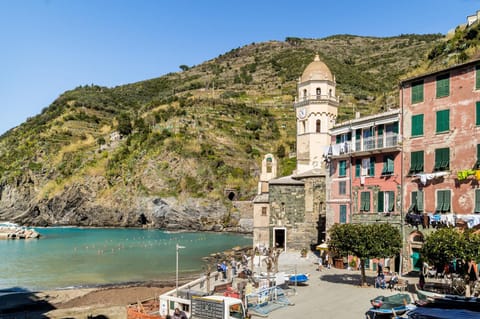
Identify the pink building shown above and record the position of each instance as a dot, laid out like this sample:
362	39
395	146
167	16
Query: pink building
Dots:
441	152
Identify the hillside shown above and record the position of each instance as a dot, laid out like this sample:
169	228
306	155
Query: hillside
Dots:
189	139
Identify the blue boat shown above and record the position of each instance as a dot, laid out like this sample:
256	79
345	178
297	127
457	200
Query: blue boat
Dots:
389	306
298	279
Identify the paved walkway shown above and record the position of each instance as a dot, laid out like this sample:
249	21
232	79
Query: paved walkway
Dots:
331	293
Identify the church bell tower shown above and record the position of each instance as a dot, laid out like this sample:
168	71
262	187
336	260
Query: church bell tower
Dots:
316	111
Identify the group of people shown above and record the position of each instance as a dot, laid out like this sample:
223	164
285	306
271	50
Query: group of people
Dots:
388	280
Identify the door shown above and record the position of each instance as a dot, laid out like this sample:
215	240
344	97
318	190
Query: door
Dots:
415	256
279	237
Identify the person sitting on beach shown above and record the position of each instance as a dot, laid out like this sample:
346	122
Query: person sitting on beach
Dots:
178	314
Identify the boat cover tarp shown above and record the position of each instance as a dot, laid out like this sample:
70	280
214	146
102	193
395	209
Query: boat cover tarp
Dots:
437	313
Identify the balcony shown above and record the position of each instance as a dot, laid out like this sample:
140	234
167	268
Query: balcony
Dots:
369	145
316	99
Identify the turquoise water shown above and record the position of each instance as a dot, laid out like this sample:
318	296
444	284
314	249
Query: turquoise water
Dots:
71	257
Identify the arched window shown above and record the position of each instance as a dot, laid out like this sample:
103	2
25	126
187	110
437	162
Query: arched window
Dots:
305	94
319	93
318	126
330	92
269	164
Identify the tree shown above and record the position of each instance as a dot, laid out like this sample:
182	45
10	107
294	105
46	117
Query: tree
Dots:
124	124
184	67
446	244
365	242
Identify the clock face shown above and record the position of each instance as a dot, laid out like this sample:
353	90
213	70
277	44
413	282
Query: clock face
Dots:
302	113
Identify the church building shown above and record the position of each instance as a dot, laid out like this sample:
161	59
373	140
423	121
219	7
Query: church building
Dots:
290	211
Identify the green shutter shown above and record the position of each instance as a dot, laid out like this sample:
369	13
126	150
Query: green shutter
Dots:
443	85
417	92
443	121
446	201
372	167
477	113
380	202
417	125
338	139
477	163
358	167
395	127
342	168
416	159
367	201
477	201
439	201
413	203
391	201
343	214
477	77
420	201
442	159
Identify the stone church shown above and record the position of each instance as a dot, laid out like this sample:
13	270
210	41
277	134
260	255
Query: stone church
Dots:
289	212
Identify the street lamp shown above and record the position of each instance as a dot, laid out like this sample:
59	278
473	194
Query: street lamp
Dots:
176	268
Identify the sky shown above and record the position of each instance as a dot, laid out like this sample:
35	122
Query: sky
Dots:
50	46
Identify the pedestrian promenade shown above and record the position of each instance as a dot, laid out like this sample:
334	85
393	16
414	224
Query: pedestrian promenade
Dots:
331	293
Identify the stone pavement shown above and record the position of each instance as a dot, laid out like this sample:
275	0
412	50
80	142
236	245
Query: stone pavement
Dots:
331	293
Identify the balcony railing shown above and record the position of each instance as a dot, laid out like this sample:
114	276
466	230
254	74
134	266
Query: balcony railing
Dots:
367	144
313	99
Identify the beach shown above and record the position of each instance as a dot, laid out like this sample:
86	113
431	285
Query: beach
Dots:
330	293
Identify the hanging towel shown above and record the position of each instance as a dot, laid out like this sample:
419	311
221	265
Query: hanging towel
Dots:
477	174
362	179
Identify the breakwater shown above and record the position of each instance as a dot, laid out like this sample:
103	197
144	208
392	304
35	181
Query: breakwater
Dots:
13	231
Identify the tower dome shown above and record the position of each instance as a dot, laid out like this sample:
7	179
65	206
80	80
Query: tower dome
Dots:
317	70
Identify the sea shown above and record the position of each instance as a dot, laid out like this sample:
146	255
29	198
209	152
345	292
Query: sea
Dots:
69	257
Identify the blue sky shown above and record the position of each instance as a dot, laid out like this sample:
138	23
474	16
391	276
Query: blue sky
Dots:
50	46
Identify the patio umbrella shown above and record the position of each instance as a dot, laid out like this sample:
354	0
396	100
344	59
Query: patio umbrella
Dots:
322	246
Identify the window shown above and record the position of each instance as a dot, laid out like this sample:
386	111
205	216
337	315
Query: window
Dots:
365	201
342	187
443	201
416	205
264	211
477	77
319	93
443	85
417	92
343	214
477	113
368	166
386	202
442	159
342	168
477	164
304	94
417	125
318	126
387	165
443	121
477	201
269	165
358	167
416	162
380	136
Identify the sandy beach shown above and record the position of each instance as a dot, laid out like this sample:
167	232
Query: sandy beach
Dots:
331	293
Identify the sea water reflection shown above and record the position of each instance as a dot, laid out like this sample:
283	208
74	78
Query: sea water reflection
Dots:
67	257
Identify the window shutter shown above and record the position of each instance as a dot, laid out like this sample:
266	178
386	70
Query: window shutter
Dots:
477	77
443	85
477	113
417	125
477	201
391	201
380	202
380	130
338	139
417	92
343	214
342	168
477	164
367	201
372	166
439	201
446	201
443	121
358	167
420	201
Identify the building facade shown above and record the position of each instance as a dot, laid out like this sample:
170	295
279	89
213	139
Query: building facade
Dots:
441	152
366	172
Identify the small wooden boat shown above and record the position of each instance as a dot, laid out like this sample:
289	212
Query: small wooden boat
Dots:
389	306
298	279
